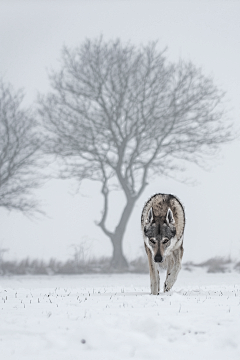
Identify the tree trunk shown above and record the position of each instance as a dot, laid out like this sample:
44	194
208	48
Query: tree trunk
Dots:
118	259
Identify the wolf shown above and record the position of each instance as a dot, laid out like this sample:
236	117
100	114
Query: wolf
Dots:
163	223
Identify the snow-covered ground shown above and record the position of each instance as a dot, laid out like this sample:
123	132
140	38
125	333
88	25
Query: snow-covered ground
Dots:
113	317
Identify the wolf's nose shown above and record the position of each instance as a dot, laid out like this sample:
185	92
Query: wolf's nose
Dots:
158	259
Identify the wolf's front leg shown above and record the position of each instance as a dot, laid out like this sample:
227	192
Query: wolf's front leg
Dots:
154	274
155	280
173	268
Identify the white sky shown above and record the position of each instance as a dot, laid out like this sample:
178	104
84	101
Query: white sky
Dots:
32	34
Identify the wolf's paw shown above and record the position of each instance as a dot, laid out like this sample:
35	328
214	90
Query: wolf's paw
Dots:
154	292
167	287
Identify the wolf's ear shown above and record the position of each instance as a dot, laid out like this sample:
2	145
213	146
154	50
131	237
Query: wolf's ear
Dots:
150	215
169	218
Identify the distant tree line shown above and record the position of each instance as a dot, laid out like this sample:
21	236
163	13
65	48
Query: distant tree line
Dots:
103	266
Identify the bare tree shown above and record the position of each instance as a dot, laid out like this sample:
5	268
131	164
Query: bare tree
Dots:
19	152
120	114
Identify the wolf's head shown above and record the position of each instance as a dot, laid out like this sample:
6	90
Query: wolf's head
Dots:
160	234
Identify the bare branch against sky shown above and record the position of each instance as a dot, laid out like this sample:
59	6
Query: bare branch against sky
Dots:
20	147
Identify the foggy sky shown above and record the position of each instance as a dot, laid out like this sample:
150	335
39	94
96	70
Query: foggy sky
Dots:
32	34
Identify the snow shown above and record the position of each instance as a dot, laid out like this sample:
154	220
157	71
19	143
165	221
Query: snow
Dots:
113	317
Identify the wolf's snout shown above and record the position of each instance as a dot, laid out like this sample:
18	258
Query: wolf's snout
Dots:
158	258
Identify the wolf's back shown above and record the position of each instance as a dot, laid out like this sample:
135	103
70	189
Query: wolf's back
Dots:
160	204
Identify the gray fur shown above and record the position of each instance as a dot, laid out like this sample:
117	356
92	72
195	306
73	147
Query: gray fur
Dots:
163	223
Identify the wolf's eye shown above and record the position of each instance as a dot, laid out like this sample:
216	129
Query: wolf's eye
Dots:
165	241
152	241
